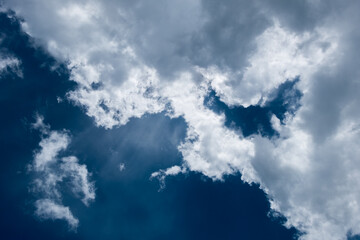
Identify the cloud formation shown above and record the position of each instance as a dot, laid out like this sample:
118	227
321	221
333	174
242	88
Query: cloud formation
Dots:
9	64
50	171
48	209
135	57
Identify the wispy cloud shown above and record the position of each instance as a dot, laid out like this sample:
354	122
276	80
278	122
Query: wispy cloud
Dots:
48	209
10	64
50	171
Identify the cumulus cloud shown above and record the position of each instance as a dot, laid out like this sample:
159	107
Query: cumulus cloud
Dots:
311	171
135	57
280	55
209	147
50	171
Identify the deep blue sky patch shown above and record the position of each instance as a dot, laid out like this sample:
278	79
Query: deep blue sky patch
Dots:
256	119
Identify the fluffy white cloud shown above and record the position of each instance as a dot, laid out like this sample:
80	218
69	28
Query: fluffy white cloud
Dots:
314	168
115	105
50	171
312	183
280	55
48	209
209	147
132	58
98	50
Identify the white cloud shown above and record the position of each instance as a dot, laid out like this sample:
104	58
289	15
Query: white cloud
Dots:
314	167
50	148
209	147
98	50
11	63
50	171
115	105
121	167
48	209
146	60
7	62
162	174
313	183
281	55
79	175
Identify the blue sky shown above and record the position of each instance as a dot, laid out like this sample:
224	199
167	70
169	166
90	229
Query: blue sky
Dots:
181	120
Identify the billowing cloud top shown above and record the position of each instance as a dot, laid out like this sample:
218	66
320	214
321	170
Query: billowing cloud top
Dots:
135	57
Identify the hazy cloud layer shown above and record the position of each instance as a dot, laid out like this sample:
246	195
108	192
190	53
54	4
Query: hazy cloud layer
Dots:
136	57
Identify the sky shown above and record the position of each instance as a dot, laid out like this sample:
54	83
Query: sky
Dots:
180	119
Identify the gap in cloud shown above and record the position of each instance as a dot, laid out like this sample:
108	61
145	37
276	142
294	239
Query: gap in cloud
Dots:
256	119
350	236
143	146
